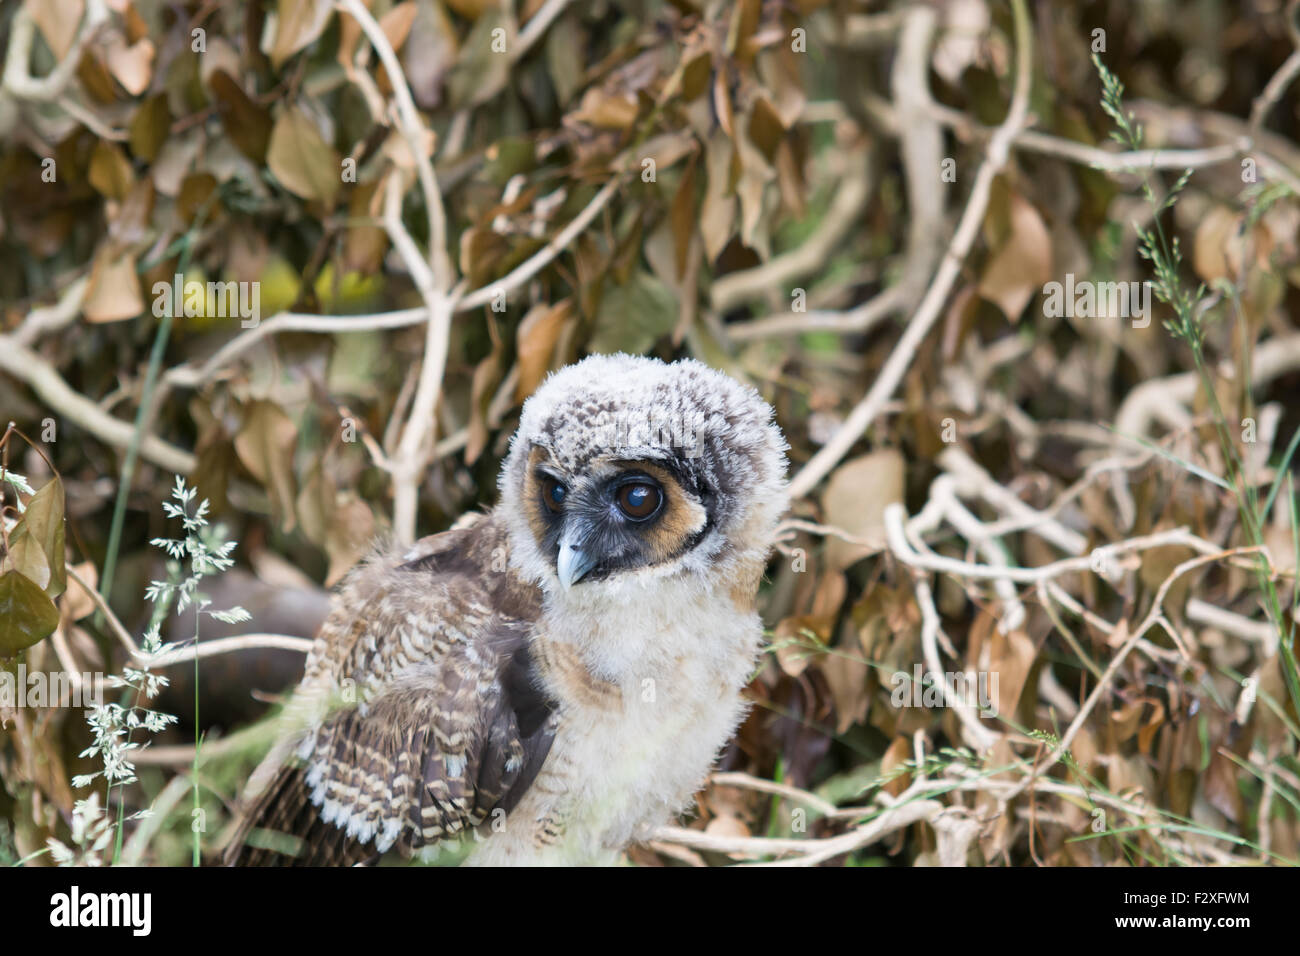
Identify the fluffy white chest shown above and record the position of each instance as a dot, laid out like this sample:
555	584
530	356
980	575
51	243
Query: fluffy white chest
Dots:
649	697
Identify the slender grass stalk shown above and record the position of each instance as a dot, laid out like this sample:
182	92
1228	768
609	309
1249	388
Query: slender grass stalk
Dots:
183	247
1188	326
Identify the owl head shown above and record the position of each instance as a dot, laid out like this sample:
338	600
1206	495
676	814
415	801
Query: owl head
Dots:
626	469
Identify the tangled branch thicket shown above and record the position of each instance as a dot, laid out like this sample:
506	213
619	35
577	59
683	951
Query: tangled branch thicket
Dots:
313	255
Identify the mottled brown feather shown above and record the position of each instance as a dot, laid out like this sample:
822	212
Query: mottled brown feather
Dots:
452	726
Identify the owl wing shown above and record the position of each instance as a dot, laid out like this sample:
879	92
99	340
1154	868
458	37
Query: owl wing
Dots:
448	729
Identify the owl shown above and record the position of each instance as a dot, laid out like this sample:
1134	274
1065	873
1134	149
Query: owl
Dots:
550	681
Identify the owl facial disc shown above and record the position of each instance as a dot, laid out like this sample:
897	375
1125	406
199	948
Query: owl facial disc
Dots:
628	469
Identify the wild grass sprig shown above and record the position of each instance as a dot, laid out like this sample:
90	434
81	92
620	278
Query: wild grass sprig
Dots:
207	553
1191	315
199	554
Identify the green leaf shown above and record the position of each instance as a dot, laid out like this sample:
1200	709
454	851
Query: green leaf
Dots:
27	615
482	68
633	316
26	557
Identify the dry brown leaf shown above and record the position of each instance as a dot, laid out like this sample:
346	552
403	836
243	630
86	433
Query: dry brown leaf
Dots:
695	71
682	218
1022	265
431	51
131	65
265	445
487	376
58	21
300	23
397	149
481	248
898	753
1124	720
766	131
667	149
149	128
1218	246
76	603
300	158
535	342
1011	656
113	293
722	104
751	190
110	171
473	9
855	501
847	677
607	110
313	505
396	24
95	78
718	212
745	17
1153	724
727	826
248	124
792	644
364	246
220	56
1159	563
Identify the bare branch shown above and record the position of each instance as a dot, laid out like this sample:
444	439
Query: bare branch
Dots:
413	131
28	367
224	645
16	79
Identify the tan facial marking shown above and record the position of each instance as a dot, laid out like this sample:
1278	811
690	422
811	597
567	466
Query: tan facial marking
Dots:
681	519
534	510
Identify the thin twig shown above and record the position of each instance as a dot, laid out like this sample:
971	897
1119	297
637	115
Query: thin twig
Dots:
186	376
750	782
413	131
22	32
811	851
224	645
921	149
114	624
1154	616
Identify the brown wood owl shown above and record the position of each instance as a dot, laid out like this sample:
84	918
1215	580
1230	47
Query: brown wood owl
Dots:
549	681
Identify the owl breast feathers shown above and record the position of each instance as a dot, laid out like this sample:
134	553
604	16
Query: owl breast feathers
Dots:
550	681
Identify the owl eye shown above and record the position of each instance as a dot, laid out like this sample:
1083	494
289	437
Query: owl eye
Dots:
639	500
553	493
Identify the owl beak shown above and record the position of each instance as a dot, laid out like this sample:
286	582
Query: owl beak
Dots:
572	563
